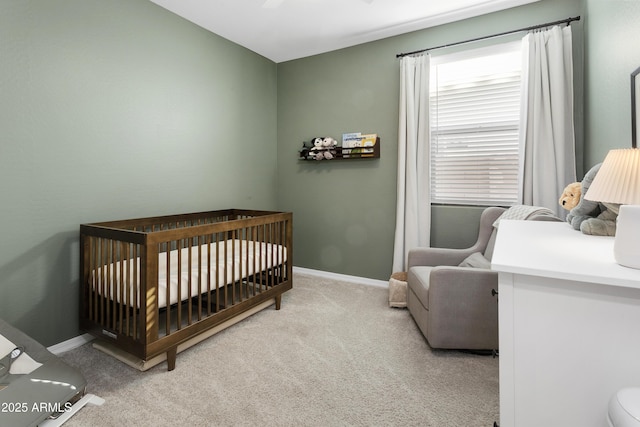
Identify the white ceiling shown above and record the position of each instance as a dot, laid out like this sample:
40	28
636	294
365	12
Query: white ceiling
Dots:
281	30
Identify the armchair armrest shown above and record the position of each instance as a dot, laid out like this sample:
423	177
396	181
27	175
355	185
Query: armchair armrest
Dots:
461	283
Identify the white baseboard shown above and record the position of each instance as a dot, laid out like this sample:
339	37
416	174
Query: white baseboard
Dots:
342	277
70	344
79	341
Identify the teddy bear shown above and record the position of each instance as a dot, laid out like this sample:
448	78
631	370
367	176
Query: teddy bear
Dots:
570	196
590	217
329	144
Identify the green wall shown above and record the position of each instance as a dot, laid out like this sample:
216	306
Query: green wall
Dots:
345	211
116	109
612	38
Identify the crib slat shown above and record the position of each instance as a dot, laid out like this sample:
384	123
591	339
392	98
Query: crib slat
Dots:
268	239
238	251
189	281
112	288
226	272
198	242
280	257
252	242
135	284
261	255
149	297
127	289
270	255
233	266
216	279
93	287
120	289
208	275
168	289
103	285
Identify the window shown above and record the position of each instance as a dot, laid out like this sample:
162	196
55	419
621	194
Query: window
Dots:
475	115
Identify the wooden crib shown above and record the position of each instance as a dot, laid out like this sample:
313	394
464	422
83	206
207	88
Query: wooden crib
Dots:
151	287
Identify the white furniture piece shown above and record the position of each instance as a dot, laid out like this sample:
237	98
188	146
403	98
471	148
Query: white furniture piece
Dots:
569	325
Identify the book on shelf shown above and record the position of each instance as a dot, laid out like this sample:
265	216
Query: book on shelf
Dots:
368	141
349	143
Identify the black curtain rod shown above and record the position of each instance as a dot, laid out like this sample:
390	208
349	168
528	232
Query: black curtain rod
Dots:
535	27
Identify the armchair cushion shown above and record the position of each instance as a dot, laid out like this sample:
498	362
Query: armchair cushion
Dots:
476	260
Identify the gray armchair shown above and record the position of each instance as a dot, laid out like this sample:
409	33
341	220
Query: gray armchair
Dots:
452	304
450	290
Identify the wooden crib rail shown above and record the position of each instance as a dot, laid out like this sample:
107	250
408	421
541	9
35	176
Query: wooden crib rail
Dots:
158	223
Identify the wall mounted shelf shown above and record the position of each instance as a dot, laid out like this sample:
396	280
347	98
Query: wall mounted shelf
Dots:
343	153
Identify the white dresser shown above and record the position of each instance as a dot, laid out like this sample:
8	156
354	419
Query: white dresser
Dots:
569	325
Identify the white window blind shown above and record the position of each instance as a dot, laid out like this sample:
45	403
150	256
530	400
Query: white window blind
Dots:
475	115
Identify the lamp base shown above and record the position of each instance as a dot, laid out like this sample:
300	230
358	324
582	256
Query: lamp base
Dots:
626	247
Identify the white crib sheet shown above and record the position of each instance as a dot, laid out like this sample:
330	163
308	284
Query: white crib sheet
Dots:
243	259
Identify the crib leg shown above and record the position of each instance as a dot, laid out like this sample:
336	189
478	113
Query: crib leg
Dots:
171	358
278	301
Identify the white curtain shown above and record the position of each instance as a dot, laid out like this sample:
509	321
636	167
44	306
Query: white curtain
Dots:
547	139
413	211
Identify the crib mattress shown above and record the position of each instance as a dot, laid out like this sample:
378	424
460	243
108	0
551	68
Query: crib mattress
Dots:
188	272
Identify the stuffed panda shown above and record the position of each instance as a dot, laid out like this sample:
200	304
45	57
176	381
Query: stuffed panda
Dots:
310	149
322	148
328	145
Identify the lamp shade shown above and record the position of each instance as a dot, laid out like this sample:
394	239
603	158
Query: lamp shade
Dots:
618	182
618	179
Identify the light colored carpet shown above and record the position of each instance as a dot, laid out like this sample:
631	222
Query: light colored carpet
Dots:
334	355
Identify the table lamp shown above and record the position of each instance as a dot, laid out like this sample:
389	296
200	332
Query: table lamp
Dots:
618	182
